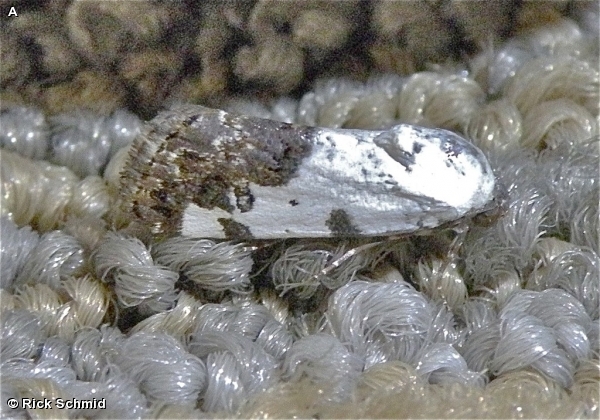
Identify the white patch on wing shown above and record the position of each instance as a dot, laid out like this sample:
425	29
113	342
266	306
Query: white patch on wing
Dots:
232	198
379	194
273	217
464	181
202	223
465	184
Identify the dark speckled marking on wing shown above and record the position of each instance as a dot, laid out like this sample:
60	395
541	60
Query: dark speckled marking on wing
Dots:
235	230
176	161
340	224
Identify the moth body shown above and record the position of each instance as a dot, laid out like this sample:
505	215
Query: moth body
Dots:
207	173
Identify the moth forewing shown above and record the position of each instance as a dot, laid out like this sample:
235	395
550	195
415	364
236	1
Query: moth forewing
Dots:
207	173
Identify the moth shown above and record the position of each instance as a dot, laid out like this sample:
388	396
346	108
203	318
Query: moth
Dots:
203	172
